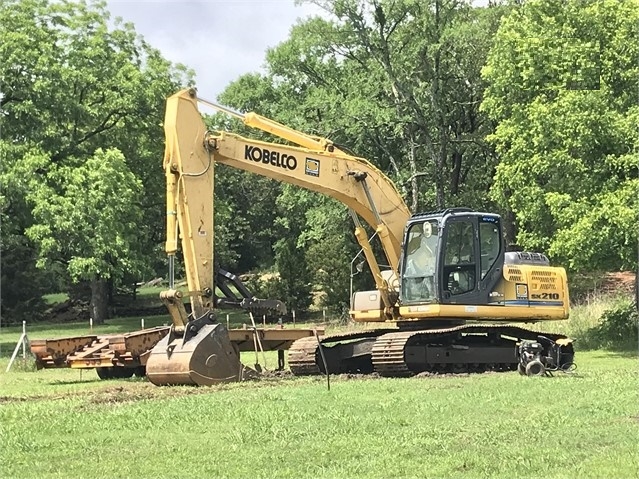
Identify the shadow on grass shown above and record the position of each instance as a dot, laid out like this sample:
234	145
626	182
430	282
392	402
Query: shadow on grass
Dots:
620	353
8	347
592	341
68	382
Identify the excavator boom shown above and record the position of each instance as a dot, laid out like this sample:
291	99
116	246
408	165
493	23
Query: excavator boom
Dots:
315	165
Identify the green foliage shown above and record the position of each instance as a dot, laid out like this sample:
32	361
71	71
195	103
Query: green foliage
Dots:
330	244
361	77
586	320
88	217
55	298
562	87
408	103
72	82
290	257
21	282
619	328
245	214
396	82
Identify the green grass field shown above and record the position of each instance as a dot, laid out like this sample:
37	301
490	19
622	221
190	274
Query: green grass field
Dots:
67	423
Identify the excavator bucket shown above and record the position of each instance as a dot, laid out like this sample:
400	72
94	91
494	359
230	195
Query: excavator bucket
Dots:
204	358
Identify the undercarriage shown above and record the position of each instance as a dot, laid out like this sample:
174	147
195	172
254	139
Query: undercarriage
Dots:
397	353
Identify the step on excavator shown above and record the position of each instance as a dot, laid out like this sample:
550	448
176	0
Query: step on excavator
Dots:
452	299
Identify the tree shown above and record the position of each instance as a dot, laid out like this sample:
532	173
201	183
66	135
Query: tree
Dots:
330	244
71	83
413	99
244	203
406	102
88	217
563	89
290	258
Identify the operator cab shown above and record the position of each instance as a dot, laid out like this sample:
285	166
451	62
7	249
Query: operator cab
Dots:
454	256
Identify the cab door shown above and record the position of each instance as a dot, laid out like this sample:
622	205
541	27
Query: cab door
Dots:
460	261
471	258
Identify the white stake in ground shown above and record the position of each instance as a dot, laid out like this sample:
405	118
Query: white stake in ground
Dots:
22	342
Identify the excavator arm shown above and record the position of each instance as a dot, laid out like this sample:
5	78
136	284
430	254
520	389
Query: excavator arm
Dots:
316	164
198	349
189	183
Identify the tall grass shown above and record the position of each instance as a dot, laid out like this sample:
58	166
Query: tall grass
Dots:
586	319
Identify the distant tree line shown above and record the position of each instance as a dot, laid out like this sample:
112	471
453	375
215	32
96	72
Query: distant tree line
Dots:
529	109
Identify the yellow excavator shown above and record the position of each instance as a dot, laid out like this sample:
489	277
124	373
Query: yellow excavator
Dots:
449	301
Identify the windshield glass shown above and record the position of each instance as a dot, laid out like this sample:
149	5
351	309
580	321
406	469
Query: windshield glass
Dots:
418	279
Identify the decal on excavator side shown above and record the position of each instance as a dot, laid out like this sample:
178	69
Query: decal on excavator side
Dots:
312	167
274	158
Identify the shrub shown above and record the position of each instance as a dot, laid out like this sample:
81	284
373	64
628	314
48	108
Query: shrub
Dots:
619	328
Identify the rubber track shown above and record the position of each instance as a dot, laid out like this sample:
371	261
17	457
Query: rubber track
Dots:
388	351
388	354
304	357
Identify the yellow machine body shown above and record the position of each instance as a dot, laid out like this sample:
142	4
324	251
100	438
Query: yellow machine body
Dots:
526	293
198	350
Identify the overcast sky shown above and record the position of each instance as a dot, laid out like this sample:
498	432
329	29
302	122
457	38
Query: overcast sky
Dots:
219	39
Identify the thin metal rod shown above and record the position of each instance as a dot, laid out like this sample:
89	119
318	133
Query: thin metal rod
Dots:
367	191
259	341
15	352
321	349
171	271
355	218
225	109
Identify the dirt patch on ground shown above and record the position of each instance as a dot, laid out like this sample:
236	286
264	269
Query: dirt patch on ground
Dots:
68	311
619	282
351	376
136	390
131	392
12	399
428	374
274	375
73	310
140	392
40	397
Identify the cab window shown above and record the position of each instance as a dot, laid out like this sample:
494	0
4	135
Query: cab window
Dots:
489	236
459	269
420	262
459	243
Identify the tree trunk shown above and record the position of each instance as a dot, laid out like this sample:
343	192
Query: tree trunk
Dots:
509	225
414	186
455	174
99	300
637	282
